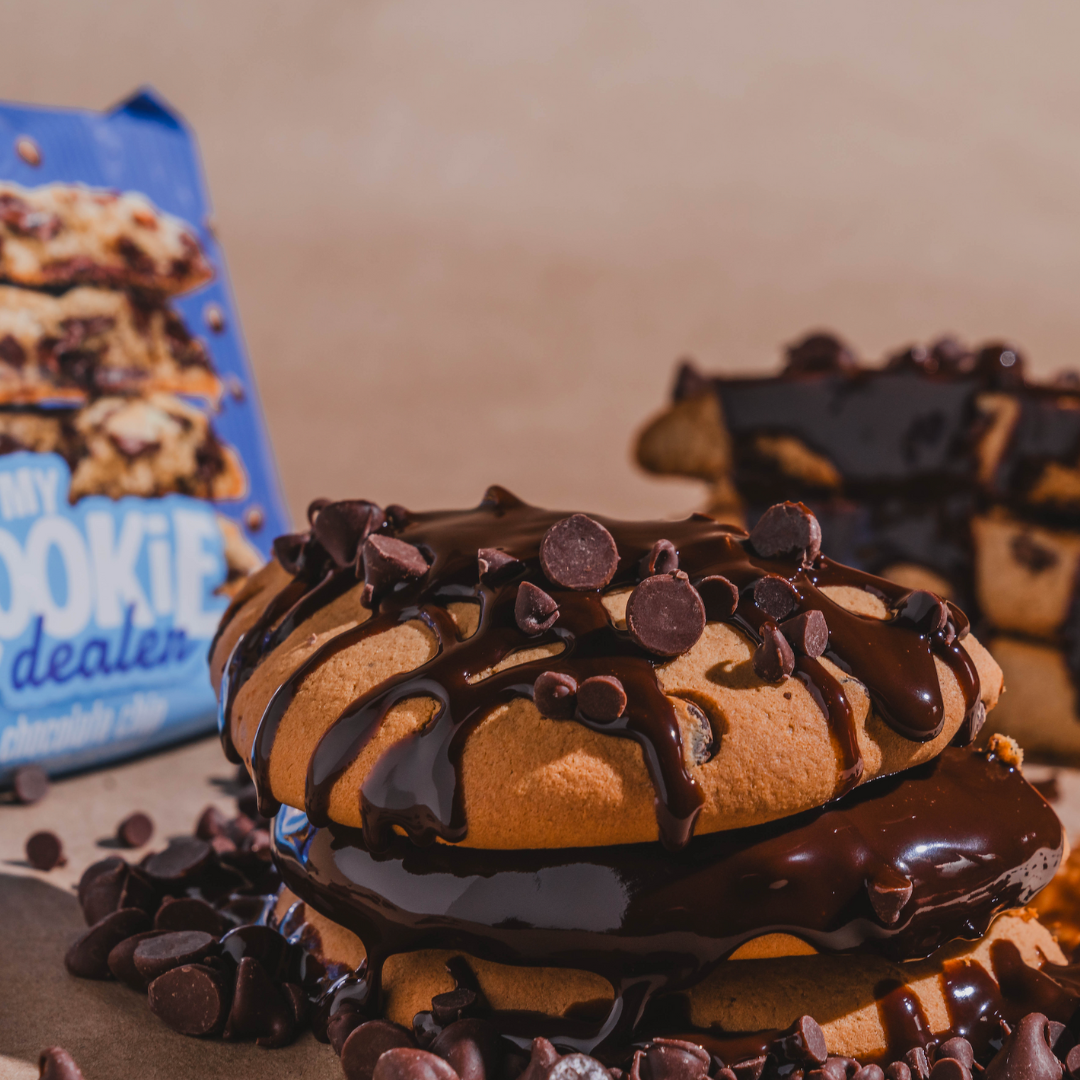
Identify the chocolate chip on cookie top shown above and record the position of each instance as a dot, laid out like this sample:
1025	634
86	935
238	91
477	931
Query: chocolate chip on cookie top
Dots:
548	579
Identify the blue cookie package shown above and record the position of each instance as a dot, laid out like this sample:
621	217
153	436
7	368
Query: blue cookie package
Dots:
137	484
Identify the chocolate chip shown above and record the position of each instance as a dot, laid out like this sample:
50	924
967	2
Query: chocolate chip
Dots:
577	1067
138	891
1061	1039
154	956
665	614
674	1059
579	553
802	1043
269	947
387	562
44	851
819	354
869	1072
720	597
534	610
1026	1053
889	892
916	1061
100	888
924	610
897	1071
135	830
30	784
88	957
297	1001
702	738
542	1056
192	999
341	527
835	1068
949	1069
56	1063
474	1048
121	960
367	1042
773	658
776	596
956	1047
187	913
408	1063
495	565
602	698
807	633
788	528
750	1069
183	859
662	558
289	551
555	695
259	1010
212	822
1072	1063
453	1005
341	1025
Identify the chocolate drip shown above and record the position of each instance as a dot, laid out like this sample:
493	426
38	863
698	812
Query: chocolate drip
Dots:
416	783
902	1017
611	910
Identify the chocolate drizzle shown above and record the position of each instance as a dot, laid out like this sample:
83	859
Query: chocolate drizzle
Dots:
612	910
415	784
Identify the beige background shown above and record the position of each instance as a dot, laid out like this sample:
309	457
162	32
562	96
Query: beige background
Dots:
470	239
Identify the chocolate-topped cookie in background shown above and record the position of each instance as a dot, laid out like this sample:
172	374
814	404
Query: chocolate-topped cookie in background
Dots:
943	468
546	785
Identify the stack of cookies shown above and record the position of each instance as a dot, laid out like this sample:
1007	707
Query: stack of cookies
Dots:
92	355
944	468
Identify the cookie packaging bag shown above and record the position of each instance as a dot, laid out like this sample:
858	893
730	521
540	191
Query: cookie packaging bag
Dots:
137	484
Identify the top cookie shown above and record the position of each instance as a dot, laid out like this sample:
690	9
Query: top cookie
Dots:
69	234
508	677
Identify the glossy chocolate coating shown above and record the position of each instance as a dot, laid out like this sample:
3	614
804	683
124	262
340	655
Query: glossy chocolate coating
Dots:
416	783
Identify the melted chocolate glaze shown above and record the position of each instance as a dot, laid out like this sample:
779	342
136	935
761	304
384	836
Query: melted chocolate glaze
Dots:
415	785
612	910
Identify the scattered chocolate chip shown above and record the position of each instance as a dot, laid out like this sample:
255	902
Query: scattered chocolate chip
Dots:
388	561
776	596
367	1042
135	830
542	1056
869	1072
720	597
579	553
1061	1039
1072	1062
154	956
187	913
956	1047
807	633
1026	1053
44	851
665	614
289	551
259	1010
602	698
662	558
192	999
916	1061
750	1069
269	947
341	527
834	1068
184	858
803	1043
888	893
819	354
101	887
577	1067
897	1071
453	1005
215	317
212	822
495	565
555	695
924	610
56	1063
788	528
88	957
674	1059
947	1068
121	960
408	1063
30	152
773	658
342	1024
474	1048
534	610
30	784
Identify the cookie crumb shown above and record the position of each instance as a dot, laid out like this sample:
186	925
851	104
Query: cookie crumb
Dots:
1006	750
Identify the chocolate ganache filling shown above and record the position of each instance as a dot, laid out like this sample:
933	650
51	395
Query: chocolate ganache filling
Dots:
899	867
539	578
